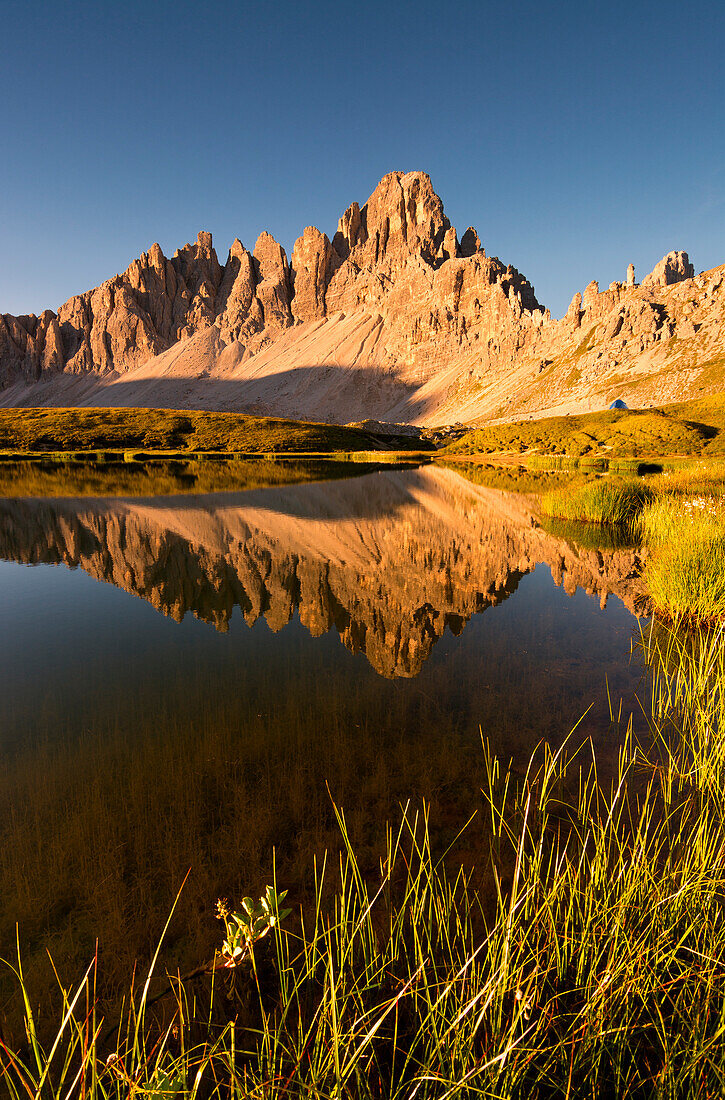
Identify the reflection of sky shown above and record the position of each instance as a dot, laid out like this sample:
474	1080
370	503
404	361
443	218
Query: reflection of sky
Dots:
76	653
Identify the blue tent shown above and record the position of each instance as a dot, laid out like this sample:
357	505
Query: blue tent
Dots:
618	404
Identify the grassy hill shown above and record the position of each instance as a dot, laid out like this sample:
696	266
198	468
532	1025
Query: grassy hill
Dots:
70	430
687	428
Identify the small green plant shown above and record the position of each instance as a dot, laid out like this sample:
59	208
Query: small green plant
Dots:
246	927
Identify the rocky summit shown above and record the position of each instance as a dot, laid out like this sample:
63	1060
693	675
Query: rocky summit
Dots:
396	318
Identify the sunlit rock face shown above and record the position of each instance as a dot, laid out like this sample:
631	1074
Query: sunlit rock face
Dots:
391	318
388	560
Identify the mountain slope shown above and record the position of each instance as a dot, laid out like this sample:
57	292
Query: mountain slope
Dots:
395	319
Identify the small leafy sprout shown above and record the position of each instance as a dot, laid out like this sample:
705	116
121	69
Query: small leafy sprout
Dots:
254	921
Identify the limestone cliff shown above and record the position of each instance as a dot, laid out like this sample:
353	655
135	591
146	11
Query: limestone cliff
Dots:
394	318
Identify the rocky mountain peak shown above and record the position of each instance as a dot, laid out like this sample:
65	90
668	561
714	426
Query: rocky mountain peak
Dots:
350	231
273	288
396	318
403	215
311	270
155	256
237	317
675	267
470	242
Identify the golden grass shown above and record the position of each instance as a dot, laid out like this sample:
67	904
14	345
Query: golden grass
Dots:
687	428
63	430
685	575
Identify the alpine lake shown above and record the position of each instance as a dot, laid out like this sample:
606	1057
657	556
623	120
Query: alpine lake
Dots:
196	680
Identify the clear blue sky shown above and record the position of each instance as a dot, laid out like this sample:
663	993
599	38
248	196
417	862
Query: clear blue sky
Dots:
575	136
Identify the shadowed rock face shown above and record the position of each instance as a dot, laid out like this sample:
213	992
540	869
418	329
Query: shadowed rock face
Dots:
393	319
389	560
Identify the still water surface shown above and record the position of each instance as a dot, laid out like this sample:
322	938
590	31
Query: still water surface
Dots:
188	682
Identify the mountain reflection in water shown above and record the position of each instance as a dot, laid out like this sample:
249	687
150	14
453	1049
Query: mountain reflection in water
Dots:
137	747
389	560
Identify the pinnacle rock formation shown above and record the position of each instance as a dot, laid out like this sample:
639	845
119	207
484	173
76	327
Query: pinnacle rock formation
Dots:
675	267
312	268
395	318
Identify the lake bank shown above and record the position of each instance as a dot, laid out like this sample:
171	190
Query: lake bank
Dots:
156	431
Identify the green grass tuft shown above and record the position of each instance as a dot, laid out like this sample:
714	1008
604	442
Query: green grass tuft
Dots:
685	575
604	501
686	579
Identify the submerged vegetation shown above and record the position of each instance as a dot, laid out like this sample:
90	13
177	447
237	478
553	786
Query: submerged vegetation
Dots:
593	966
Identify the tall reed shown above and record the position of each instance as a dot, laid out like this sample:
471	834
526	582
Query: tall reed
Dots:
595	968
685	574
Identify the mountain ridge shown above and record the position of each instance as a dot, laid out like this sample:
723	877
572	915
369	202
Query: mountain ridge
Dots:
394	318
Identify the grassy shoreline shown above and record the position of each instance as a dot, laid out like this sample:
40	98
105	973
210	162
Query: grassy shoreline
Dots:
42	432
118	452
593	967
680	518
